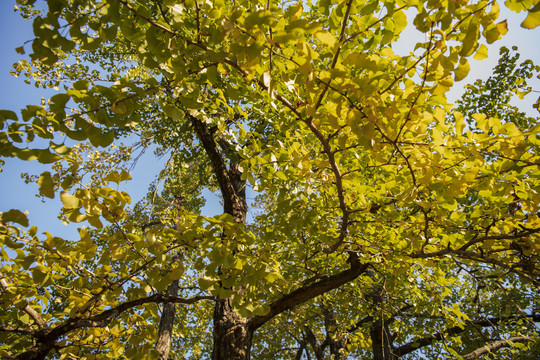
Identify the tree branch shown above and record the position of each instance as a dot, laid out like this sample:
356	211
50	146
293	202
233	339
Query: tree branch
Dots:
17	330
231	200
488	322
47	338
494	347
306	293
27	309
471	255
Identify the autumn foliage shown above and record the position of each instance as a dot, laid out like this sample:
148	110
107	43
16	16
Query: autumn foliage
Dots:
363	215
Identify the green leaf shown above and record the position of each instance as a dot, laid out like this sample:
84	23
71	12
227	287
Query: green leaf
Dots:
176	273
46	157
15	216
7	115
118	177
46	185
39	275
258	18
173	112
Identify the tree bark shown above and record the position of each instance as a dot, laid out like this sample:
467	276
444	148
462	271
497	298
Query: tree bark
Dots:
336	340
312	340
232	336
232	333
163	344
382	341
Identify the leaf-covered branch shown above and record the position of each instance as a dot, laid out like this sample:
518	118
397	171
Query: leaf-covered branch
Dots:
489	348
309	292
489	322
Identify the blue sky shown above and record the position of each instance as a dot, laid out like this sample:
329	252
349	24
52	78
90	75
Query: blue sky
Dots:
15	94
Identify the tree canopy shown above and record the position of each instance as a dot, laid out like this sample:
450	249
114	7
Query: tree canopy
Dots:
363	215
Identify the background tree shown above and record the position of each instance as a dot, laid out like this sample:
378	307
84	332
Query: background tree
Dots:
386	225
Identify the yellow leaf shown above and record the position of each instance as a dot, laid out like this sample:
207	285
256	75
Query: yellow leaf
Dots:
502	27
481	122
494	31
69	201
326	38
305	68
481	53
462	70
446	81
533	18
471	38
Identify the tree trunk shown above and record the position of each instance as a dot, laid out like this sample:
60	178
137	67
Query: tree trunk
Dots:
232	336
336	340
163	344
312	340
382	341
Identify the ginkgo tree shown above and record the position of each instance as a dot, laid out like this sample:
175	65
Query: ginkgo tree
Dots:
385	224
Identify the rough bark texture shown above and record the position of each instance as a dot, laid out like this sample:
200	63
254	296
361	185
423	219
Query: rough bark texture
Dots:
232	336
163	344
382	341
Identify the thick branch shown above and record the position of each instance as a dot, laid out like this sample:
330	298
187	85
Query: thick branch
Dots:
231	201
17	330
306	293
